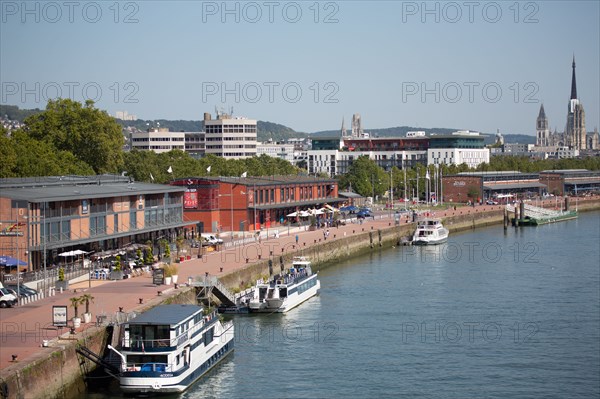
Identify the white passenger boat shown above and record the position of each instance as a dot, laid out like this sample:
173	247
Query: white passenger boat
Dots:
169	347
286	291
430	232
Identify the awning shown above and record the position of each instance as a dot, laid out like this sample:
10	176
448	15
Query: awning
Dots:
582	182
349	194
6	260
297	204
512	186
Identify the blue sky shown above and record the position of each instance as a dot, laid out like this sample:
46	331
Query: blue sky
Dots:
479	65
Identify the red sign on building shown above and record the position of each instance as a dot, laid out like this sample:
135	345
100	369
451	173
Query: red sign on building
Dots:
190	199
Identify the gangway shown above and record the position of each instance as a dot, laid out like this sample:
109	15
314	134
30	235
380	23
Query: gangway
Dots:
536	211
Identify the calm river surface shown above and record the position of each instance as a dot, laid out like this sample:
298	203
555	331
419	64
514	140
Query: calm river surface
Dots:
488	314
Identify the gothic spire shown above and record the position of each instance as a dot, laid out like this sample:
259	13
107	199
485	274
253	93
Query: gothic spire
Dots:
573	83
542	114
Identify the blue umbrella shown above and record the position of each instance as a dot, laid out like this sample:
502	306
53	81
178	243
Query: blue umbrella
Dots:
350	208
10	261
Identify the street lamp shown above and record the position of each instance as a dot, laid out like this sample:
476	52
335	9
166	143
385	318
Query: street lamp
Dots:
231	208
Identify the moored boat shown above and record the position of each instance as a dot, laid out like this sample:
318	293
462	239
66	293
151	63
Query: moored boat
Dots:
169	347
430	232
287	290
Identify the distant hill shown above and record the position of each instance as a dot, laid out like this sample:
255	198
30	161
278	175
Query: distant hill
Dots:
14	113
265	130
268	130
401	131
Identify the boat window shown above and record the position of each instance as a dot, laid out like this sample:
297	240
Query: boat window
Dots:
146	361
208	336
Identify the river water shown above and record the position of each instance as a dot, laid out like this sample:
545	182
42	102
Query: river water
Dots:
489	314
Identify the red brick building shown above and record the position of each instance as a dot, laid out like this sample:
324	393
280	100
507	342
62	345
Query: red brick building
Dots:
223	204
456	188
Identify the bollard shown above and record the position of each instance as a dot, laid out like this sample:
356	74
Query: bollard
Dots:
141	300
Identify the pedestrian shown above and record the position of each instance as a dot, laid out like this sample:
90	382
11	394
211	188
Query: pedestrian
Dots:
324	235
296	238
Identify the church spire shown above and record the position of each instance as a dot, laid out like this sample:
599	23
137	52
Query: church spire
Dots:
542	114
573	83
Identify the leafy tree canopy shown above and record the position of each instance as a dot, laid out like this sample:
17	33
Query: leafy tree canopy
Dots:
90	134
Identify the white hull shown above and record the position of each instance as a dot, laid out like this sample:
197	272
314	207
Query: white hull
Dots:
430	232
436	241
286	304
172	363
171	384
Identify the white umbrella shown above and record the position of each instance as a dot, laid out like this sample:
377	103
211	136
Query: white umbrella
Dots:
304	214
77	252
331	208
317	211
292	215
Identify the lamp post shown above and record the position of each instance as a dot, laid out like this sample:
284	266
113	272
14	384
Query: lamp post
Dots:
231	208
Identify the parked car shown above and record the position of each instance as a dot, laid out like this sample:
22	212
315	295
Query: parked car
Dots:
491	202
211	239
23	289
7	299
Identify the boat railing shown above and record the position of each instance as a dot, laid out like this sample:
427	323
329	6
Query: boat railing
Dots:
144	344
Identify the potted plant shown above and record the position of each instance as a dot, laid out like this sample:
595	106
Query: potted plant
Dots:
61	283
75	302
168	274
149	255
87	299
313	223
167	251
179	243
174	273
117	272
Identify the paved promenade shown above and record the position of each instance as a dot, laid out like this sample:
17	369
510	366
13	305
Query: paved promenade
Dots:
23	328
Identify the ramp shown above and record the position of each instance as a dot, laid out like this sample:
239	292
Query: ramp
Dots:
212	286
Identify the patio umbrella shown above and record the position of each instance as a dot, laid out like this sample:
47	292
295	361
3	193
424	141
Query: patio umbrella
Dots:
76	252
292	215
6	260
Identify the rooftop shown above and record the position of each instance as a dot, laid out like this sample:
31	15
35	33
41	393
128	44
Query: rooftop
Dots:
66	188
166	314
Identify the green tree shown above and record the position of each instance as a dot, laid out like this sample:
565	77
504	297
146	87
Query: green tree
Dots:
365	177
89	133
8	155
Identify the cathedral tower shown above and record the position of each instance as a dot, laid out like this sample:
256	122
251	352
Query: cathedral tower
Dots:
575	131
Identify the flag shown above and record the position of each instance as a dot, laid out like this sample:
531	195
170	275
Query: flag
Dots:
151	177
208	169
244	174
427	175
170	170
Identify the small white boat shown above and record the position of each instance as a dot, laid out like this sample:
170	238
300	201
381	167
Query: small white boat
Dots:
169	347
286	291
430	232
